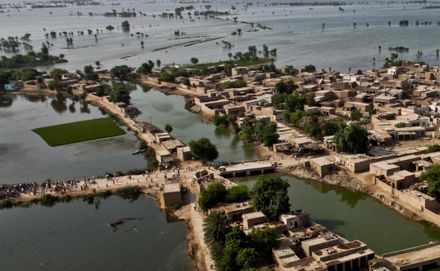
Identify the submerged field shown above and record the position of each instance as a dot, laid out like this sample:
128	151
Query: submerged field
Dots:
79	131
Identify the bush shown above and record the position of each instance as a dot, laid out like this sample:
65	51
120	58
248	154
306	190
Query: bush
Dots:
233	84
237	193
217	193
211	196
433	148
203	149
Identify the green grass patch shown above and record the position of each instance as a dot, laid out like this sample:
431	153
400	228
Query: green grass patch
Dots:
240	63
79	131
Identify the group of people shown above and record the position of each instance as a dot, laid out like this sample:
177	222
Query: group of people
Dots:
9	191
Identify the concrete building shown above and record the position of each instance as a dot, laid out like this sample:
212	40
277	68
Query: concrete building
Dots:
297	219
383	168
353	255
415	258
322	166
171	195
184	153
318	243
252	219
402	179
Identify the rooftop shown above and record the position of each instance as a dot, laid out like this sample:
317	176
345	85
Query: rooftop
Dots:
171	187
414	255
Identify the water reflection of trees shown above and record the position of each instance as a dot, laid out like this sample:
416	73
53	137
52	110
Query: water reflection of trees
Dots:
221	132
72	107
84	108
431	229
6	100
59	104
35	98
349	197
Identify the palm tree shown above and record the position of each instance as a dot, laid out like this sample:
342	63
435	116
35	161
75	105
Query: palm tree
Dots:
215	227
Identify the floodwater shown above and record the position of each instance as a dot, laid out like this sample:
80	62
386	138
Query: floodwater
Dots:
161	109
296	31
75	236
355	216
25	157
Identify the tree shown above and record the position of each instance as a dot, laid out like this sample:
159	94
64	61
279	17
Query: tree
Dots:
89	73
433	148
247	257
285	87
215	227
194	60
237	193
203	149
158	63
371	110
44	49
211	196
352	139
120	93
268	134
125	25
263	240
168	128
355	114
122	72
310	68
145	68
56	74
310	99
432	177
269	196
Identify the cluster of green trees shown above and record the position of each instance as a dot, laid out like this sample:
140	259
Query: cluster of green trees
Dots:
233	84
239	251
270	196
217	193
22	74
123	73
392	61
433	148
172	74
88	73
203	149
231	248
56	74
14	44
31	59
120	92
352	139
310	68
150	156
226	121
432	177
287	98
261	129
